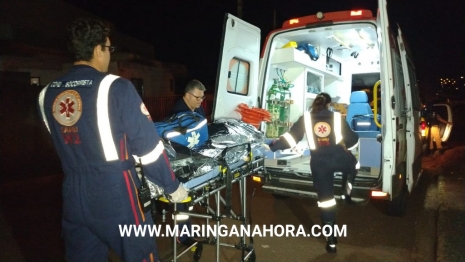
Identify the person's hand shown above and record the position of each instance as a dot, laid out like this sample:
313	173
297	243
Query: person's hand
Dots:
266	146
179	195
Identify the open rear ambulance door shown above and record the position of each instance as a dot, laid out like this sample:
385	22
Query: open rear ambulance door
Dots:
412	114
388	129
237	76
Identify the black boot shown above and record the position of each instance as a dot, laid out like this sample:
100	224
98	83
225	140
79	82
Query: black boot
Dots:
331	240
347	182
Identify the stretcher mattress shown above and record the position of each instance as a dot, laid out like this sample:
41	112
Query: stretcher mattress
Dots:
232	144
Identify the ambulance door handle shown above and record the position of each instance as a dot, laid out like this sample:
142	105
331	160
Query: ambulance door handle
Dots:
393	102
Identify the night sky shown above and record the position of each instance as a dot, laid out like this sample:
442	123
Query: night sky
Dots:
189	32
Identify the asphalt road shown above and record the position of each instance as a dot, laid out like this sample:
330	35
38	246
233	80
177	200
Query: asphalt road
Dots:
30	228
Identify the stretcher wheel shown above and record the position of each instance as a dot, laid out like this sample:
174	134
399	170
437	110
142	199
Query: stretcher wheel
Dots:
252	257
198	252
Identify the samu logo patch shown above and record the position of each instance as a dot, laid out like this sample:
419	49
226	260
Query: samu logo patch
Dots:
322	129
67	107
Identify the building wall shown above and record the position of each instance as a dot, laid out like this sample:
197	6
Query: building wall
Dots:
32	39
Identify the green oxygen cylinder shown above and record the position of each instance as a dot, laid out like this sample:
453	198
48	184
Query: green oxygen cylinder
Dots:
284	107
274	109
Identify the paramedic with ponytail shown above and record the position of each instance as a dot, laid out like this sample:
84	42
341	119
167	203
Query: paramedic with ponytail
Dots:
327	134
100	126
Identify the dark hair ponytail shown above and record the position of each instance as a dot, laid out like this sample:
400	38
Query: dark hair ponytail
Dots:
319	104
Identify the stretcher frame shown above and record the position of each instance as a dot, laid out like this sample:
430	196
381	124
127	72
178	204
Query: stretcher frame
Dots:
229	175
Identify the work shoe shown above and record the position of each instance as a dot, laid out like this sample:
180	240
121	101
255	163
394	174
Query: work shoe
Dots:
331	241
331	248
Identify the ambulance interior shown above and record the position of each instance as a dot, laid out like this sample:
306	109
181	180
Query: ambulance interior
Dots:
347	66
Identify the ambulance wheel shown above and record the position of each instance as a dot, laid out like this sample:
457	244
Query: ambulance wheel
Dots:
397	207
198	251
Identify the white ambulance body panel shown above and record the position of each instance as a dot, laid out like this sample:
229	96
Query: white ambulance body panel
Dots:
353	54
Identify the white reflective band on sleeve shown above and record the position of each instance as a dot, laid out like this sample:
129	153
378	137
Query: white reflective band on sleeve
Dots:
172	134
41	104
152	156
327	203
309	130
337	127
289	140
354	146
103	120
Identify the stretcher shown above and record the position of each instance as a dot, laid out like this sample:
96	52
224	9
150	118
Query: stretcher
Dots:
213	183
233	152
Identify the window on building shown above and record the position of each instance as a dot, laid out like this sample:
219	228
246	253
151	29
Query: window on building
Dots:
35	81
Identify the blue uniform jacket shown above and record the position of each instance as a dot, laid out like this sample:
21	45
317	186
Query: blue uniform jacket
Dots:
181	106
96	132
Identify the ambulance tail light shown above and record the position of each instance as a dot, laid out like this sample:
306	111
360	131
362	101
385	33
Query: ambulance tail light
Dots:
423	128
378	194
257	179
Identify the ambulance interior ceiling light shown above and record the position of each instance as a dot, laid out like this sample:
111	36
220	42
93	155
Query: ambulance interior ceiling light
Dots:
339	41
368	42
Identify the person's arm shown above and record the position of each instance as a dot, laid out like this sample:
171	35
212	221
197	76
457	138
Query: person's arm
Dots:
443	120
291	138
142	135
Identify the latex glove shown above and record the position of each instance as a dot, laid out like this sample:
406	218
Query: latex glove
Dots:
179	195
298	150
266	146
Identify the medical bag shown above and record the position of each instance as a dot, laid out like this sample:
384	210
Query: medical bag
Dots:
186	128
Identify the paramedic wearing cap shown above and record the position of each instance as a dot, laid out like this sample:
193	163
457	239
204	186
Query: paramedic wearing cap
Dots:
192	99
99	125
325	131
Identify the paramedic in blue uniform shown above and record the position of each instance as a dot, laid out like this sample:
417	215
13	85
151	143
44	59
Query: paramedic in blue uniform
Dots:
99	126
191	101
194	94
329	138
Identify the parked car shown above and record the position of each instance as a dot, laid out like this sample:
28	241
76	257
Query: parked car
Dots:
445	112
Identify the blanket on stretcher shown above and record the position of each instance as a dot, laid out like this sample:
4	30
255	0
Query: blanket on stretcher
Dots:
227	144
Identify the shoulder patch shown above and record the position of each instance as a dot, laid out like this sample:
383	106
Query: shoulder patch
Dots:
144	111
67	107
322	129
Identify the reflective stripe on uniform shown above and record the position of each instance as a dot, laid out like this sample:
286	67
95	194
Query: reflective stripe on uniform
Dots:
309	130
41	104
152	156
290	140
337	127
354	146
327	203
103	120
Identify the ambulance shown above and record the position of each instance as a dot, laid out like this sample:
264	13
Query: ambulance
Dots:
363	63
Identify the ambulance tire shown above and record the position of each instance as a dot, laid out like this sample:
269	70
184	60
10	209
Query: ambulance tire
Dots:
397	207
